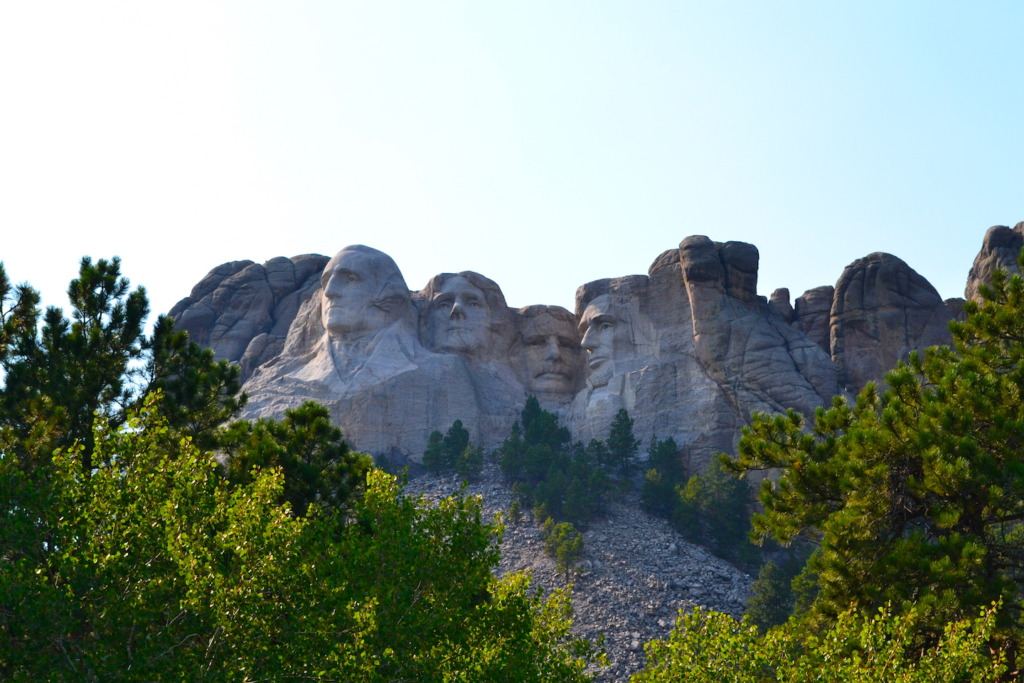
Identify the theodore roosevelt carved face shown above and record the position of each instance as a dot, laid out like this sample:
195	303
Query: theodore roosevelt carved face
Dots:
550	350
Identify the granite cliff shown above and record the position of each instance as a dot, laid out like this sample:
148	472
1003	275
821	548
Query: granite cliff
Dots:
689	349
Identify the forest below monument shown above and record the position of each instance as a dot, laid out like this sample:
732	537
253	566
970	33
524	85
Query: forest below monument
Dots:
149	534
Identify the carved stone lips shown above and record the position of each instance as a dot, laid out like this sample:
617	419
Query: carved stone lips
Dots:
553	374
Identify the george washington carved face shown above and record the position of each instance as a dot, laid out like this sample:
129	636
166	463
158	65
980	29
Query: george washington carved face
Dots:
362	292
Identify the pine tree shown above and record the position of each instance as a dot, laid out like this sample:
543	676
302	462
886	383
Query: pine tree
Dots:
200	392
434	457
622	445
665	473
771	601
455	442
68	373
61	374
470	462
317	464
914	495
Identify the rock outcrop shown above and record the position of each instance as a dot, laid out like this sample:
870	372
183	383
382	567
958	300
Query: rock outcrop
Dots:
812	315
689	349
242	310
999	250
882	310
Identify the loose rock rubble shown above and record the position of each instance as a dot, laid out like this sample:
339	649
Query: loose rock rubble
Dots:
635	576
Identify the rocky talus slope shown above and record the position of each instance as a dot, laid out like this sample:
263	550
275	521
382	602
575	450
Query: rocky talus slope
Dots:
636	573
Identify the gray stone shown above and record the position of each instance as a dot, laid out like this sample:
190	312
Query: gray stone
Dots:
882	311
812	315
955	306
779	303
355	347
243	310
689	349
999	250
547	354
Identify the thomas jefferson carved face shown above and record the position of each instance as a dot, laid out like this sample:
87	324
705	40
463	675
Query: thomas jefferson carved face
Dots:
363	292
606	337
551	352
459	318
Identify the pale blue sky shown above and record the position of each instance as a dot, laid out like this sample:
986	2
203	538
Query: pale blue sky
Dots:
543	144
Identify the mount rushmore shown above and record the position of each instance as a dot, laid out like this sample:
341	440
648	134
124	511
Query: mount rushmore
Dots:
690	349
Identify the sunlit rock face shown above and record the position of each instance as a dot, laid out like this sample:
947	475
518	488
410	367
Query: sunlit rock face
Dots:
356	346
690	349
881	311
242	310
547	353
999	250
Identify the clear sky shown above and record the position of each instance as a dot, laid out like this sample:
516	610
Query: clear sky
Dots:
543	144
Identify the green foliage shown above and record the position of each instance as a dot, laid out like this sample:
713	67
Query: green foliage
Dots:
547	472
453	452
455	441
60	374
771	601
156	568
564	543
434	457
710	647
622	445
59	377
914	496
201	393
317	464
515	512
710	508
713	508
658	493
470	462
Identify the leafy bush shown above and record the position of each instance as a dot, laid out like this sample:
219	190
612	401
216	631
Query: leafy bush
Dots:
156	568
710	647
564	543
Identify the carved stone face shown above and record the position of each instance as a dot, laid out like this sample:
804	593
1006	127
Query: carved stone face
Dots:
363	292
606	337
459	318
551	352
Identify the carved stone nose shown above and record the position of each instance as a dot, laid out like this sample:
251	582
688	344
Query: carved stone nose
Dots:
457	312
551	350
332	289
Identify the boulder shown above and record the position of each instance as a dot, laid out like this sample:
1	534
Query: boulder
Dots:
999	250
812	313
882	310
243	310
